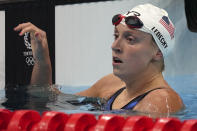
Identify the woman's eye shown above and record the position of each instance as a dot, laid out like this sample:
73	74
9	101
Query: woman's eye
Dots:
129	39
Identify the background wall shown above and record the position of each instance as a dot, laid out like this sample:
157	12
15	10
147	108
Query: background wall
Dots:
84	36
2	49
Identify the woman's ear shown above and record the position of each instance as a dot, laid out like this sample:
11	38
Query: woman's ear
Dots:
158	55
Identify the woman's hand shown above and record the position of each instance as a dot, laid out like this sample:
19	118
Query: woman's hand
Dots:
42	72
39	42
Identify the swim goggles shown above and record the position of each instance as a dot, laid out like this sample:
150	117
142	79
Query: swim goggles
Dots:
131	21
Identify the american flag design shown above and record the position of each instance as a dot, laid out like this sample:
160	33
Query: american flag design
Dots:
168	25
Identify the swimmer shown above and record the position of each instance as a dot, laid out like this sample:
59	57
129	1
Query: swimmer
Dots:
143	38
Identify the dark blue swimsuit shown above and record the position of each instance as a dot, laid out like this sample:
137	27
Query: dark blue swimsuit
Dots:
128	106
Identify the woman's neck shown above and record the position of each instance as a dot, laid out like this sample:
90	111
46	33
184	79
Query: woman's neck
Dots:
143	83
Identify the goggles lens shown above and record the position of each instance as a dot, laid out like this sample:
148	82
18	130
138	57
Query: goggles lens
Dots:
131	21
117	19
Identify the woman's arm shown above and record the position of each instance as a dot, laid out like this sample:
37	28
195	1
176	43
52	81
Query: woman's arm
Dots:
42	72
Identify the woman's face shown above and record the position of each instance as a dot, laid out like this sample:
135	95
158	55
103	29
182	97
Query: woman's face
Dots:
132	51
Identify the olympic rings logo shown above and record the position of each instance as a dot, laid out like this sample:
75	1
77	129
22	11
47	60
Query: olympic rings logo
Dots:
30	61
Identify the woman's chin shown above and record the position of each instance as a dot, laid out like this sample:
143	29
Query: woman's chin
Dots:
118	73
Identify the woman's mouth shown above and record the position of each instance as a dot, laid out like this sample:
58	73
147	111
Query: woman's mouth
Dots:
116	60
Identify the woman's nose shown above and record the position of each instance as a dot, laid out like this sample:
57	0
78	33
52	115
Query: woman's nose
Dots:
116	46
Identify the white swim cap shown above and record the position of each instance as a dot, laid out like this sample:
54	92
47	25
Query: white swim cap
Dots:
157	23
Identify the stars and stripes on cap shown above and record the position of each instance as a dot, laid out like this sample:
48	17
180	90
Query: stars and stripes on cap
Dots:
168	25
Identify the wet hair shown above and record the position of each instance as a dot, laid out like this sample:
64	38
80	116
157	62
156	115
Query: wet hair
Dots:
162	59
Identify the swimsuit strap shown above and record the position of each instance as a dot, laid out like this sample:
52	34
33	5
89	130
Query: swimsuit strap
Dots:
131	104
112	98
137	99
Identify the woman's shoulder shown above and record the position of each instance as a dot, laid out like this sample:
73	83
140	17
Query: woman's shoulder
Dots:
104	88
161	100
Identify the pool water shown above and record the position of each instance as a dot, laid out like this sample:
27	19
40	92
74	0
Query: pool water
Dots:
43	98
186	87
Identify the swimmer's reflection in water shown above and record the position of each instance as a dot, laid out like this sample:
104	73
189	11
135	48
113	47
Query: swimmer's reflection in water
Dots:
20	97
143	38
44	98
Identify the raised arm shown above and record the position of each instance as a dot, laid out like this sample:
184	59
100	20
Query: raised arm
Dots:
42	71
